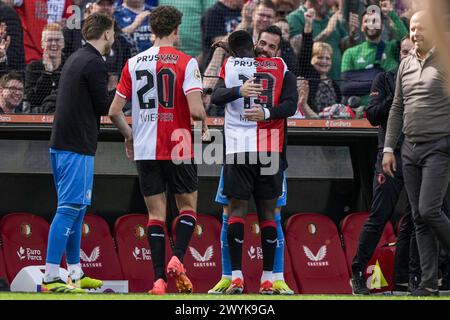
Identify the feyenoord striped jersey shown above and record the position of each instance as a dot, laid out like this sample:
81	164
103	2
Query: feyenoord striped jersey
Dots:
156	81
250	136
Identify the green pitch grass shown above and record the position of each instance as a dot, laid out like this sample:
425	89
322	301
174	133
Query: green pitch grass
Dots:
92	296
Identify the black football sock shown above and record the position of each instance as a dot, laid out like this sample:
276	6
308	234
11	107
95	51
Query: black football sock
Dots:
157	241
268	243
183	233
235	241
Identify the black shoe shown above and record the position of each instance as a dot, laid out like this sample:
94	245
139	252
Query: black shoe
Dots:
358	284
445	285
413	284
401	287
422	292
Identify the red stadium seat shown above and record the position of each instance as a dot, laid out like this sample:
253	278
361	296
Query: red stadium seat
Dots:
98	256
3	274
252	263
316	254
203	256
24	239
351	227
289	276
382	279
130	232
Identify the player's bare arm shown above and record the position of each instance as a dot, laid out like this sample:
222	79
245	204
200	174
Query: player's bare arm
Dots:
118	118
196	107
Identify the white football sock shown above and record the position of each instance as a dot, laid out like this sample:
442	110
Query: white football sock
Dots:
267	276
75	271
237	274
278	276
51	272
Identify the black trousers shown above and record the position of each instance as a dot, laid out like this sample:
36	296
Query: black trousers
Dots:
426	168
386	192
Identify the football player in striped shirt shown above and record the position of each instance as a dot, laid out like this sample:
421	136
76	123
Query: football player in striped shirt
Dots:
164	86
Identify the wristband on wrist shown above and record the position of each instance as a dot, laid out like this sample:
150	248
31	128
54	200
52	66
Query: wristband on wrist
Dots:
266	113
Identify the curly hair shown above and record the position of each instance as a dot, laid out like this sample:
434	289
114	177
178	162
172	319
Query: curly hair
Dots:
164	20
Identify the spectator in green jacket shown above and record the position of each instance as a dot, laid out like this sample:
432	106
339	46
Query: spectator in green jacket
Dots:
326	27
363	56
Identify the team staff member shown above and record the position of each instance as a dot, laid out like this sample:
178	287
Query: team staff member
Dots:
386	192
82	99
421	108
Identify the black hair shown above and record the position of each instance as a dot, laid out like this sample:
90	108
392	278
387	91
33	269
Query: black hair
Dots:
273	30
240	43
164	20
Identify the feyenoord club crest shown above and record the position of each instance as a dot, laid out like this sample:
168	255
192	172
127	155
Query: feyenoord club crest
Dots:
25	229
139	232
312	229
254	228
86	229
198	230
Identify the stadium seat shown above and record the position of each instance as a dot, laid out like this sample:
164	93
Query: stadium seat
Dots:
289	276
98	256
3	274
252	254
203	256
130	233
351	227
316	254
24	241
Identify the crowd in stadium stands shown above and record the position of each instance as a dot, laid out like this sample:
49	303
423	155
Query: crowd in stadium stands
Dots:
328	44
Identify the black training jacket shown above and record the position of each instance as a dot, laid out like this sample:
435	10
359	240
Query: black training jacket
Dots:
82	99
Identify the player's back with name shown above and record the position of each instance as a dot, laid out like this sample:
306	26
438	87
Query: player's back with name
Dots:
157	81
251	136
269	72
165	58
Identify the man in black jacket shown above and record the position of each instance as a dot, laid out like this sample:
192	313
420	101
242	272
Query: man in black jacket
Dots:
82	99
218	21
